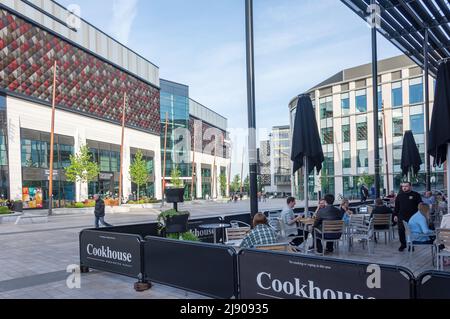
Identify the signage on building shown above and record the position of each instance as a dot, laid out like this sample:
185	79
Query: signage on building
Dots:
106	176
47	172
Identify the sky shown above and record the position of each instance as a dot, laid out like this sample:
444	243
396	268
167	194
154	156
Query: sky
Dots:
201	43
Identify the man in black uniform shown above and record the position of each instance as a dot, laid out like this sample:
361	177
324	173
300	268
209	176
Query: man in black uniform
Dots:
406	205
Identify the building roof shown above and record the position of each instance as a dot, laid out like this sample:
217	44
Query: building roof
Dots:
403	23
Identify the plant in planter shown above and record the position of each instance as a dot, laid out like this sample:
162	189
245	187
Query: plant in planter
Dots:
174	223
4	210
175	194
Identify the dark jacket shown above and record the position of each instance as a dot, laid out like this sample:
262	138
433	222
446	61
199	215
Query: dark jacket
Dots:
328	213
99	210
407	204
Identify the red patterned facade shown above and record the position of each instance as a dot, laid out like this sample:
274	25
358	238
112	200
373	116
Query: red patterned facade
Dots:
85	83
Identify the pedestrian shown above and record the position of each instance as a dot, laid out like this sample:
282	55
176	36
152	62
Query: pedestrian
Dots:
99	212
406	205
364	192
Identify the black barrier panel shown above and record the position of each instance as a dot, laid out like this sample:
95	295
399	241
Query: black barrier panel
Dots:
205	235
150	229
202	268
264	274
433	285
112	252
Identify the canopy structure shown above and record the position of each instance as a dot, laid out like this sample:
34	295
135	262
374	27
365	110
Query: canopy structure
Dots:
405	22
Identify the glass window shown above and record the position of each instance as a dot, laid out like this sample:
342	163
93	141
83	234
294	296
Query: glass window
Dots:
417	124
327	135
346	159
361	131
416	91
2	103
397	94
65	152
397	154
345	133
115	165
326	107
397	126
105	161
380	98
361	101
362	159
328	164
345	103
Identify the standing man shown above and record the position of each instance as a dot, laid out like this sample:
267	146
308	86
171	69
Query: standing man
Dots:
99	212
406	205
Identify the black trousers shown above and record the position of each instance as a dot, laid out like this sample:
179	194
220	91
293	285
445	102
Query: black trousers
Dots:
299	240
330	245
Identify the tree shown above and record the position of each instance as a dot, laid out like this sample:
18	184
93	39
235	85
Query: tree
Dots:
223	184
247	185
236	184
82	169
138	171
367	180
176	178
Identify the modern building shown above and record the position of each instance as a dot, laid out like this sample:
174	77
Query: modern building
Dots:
207	142
94	73
275	161
344	112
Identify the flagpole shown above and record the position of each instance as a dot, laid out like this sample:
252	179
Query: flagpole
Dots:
121	149
52	141
242	171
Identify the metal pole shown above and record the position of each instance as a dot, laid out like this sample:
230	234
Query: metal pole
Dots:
305	183
164	164
427	113
52	142
386	154
251	108
193	169
121	150
448	177
375	100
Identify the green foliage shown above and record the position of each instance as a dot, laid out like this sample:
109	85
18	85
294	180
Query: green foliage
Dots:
138	171
176	178
79	205
236	184
184	236
223	184
366	179
247	185
171	212
4	210
82	168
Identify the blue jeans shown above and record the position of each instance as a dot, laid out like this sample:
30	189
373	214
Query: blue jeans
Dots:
101	220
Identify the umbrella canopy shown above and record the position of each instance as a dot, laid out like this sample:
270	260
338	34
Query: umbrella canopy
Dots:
305	139
439	135
411	160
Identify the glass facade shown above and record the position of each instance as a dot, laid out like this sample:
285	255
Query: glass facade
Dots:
345	103
326	107
361	131
346	159
380	98
327	135
206	183
397	127
35	161
362	159
175	105
107	156
148	189
417	124
346	133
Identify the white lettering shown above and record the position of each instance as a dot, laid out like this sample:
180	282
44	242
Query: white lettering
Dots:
374	280
258	280
108	253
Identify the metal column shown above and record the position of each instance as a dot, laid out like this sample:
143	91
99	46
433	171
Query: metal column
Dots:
427	113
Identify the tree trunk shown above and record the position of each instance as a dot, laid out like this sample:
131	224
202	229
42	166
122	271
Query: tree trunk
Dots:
138	192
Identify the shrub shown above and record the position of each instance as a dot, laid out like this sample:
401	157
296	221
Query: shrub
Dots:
79	205
4	210
184	236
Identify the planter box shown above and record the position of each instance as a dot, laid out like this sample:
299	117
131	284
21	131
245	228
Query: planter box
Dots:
177	224
18	207
174	195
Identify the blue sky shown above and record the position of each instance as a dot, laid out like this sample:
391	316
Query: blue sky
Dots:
201	43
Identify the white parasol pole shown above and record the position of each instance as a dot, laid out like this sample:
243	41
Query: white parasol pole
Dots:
305	183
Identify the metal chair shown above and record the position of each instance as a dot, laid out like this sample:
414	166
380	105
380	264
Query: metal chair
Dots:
238	223
442	238
329	227
360	231
384	223
286	247
410	243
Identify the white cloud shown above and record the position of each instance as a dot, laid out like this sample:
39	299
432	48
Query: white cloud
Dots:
124	13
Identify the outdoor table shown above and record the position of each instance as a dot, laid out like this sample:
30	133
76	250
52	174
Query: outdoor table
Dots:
306	224
214	226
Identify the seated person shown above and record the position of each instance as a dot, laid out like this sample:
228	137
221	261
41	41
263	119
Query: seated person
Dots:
261	234
322	204
418	224
429	198
328	213
380	208
346	211
290	222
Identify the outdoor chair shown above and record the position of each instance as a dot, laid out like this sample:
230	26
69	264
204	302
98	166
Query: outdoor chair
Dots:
410	244
384	224
286	247
329	227
282	233
360	231
442	238
274	222
234	236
